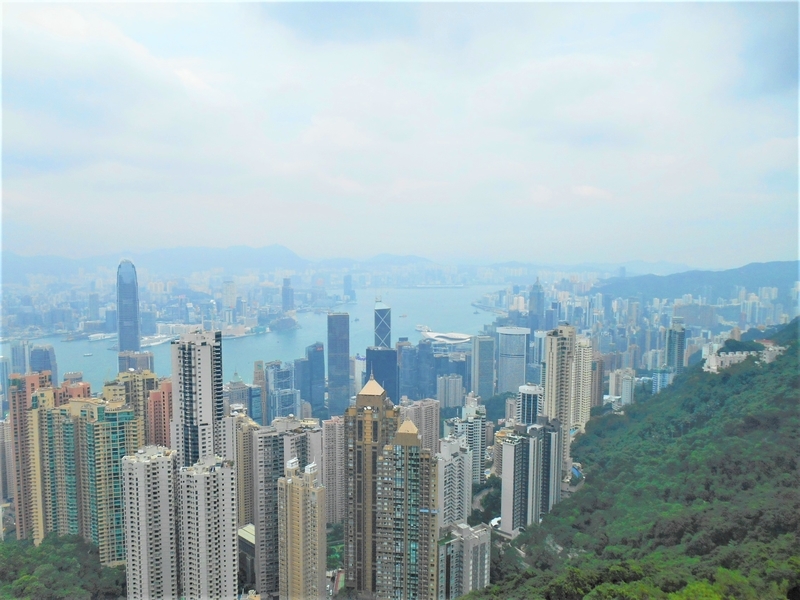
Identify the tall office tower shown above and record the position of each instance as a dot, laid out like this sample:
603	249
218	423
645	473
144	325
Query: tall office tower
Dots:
287	295
472	426
137	386
159	414
128	307
338	363
454	488
425	415
531	474
260	381
315	353
20	357
426	369
302	378
582	383
272	447
228	295
558	388
208	543
406	519
513	342
464	560
333	444
284	397
407	370
150	499
597	380
197	402
370	425
5	375
483	366
138	361
236	444
450	391
383	325
676	346
21	390
382	365
43	358
529	404
628	386
301	538
536	306
93	308
349	292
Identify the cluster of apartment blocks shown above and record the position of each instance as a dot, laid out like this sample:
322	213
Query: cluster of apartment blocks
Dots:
171	483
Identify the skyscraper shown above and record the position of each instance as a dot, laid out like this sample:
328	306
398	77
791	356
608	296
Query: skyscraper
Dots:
558	387
349	292
301	533
138	361
128	307
383	325
407	370
43	358
315	353
333	444
676	346
529	404
338	363
382	365
483	366
582	382
472	427
598	376
454	488
464	560
208	542
151	548
425	415
159	414
513	342
406	519
287	295
536	306
197	402
370	425
20	357
450	391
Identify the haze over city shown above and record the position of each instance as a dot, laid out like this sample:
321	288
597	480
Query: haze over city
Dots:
455	132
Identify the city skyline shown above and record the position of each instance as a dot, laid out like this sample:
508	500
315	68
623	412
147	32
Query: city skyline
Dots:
381	119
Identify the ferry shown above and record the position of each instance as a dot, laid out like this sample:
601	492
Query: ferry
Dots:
89	354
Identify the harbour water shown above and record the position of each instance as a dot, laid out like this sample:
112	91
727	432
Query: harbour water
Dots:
441	309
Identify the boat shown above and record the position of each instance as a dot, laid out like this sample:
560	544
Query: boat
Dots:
88	354
422	328
403	316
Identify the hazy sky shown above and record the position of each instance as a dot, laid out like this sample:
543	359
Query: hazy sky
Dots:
537	132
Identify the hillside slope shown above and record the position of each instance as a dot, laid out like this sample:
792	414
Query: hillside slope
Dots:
692	494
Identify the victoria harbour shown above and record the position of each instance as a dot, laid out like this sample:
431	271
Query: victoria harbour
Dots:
441	309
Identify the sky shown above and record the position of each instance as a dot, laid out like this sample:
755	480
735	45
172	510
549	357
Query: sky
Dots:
552	133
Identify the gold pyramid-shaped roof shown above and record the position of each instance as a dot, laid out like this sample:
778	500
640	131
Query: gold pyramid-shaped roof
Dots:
372	388
408	427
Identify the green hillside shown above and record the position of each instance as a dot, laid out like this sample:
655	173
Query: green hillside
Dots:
691	494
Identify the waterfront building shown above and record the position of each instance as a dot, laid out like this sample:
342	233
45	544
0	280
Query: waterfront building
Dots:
207	532
338	363
151	546
138	361
301	533
513	342
128	308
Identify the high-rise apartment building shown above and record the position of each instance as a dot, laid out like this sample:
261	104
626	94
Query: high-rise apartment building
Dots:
529	404
382	365
628	386
383	325
582	383
207	532
151	546
531	474
425	415
676	346
483	372
128	308
43	358
454	488
301	533
236	444
6	455
338	363
558	387
136	387
513	343
472	427
405	519
159	414
464	560
333	444
197	401
598	375
450	390
370	425
260	381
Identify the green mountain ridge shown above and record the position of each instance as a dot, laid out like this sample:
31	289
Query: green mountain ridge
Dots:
690	494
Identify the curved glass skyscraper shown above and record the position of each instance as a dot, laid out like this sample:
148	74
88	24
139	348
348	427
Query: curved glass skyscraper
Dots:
128	307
